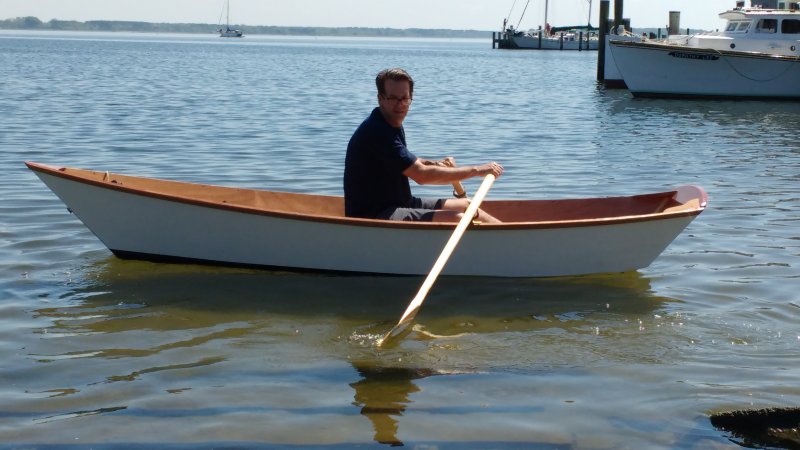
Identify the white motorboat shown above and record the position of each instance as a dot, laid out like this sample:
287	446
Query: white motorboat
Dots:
171	221
757	55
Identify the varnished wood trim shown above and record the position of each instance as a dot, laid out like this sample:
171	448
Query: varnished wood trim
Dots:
108	182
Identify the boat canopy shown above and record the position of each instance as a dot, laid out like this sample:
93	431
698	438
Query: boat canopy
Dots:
588	27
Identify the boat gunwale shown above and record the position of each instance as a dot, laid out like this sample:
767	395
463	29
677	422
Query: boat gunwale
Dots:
361	222
659	46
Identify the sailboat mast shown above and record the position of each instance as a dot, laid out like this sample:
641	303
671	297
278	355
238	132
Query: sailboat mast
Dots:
589	21
545	12
228	14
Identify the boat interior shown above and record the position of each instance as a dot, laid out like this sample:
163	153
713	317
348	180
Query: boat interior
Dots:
683	201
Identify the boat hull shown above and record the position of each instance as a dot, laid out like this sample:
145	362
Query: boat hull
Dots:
230	33
612	79
660	70
533	43
144	225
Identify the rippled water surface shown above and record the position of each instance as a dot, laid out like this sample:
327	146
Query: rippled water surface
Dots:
100	352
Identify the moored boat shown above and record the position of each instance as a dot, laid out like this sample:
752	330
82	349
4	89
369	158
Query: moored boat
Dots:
756	56
581	37
228	31
172	221
571	38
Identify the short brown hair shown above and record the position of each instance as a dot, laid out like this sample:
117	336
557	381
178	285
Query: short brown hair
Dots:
396	74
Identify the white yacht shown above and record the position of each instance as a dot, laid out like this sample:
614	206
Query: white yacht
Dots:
757	55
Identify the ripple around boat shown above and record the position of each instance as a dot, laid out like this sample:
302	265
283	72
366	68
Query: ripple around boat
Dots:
756	56
144	218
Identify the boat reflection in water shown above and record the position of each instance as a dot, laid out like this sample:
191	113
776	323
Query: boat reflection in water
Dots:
366	304
296	352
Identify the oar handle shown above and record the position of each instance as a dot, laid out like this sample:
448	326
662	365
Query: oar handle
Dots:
458	190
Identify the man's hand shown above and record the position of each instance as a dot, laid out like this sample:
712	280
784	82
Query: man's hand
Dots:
491	168
449	162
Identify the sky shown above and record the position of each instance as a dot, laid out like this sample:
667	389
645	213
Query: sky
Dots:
449	14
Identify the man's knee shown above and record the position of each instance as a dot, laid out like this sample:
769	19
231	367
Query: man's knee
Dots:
455	204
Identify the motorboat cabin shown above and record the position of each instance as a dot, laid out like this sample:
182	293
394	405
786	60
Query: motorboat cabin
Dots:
758	28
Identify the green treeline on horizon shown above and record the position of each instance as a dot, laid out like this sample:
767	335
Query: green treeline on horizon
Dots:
33	23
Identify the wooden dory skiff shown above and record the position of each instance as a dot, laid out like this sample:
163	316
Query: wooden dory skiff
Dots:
160	220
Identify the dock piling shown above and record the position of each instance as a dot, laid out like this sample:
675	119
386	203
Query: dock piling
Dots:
601	45
674	23
540	37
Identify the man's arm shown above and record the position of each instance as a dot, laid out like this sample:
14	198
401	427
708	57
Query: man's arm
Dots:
449	161
429	172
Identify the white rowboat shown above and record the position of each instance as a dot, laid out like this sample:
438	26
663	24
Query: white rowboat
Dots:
172	221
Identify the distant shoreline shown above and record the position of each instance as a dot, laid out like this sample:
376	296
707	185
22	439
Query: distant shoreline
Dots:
33	23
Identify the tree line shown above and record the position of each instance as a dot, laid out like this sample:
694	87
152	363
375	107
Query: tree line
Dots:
33	23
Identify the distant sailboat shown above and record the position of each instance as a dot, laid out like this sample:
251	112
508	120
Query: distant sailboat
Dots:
577	37
227	31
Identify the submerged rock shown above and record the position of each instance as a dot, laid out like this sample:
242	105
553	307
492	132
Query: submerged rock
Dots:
772	427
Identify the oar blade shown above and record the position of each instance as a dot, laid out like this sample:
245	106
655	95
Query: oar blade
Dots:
403	327
396	334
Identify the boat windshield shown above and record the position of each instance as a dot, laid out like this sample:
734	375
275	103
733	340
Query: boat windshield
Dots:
738	26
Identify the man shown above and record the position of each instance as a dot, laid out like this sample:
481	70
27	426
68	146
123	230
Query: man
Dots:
378	164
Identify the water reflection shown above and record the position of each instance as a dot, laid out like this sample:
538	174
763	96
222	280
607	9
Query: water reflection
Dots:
174	317
116	295
128	327
383	394
754	116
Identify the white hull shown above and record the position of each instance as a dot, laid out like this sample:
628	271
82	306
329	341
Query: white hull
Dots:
756	56
553	43
154	226
651	69
612	78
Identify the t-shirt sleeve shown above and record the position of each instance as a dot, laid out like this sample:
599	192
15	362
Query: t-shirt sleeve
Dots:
398	157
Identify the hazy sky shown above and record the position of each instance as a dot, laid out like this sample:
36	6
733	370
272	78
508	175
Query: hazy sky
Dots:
452	14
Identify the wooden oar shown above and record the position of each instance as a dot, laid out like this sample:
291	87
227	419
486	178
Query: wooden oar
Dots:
400	329
458	190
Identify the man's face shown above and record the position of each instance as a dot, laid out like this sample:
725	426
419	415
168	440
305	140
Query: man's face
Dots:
395	103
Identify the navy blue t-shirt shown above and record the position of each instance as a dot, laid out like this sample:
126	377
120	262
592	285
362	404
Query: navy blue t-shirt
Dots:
373	169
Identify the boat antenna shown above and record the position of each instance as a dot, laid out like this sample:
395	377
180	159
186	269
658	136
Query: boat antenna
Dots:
523	13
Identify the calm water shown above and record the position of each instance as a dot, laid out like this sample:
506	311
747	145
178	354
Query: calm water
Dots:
99	352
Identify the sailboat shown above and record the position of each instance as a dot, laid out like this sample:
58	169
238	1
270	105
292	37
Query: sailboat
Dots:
581	37
228	32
